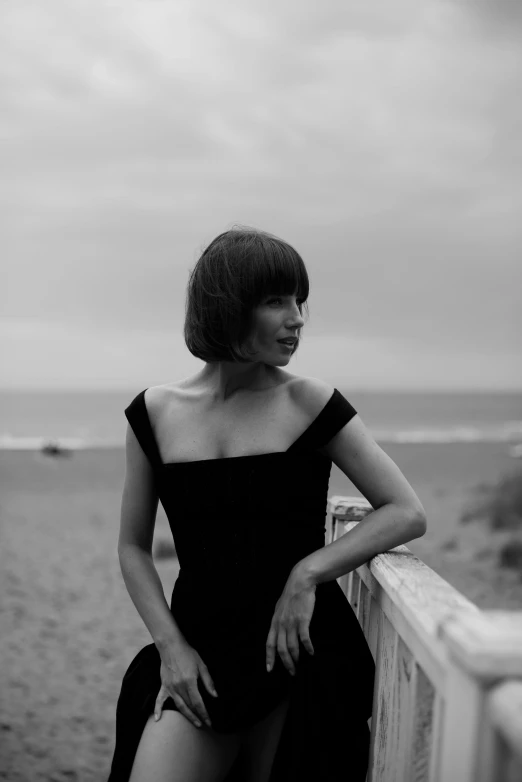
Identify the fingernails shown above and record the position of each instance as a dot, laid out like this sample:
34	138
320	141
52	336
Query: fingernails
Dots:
268	667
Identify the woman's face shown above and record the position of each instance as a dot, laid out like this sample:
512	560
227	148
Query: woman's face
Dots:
276	317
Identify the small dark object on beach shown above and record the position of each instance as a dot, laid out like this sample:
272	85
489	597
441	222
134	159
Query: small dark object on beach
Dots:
53	448
164	549
510	555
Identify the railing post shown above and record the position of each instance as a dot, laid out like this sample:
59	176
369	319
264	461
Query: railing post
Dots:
340	510
483	649
505	714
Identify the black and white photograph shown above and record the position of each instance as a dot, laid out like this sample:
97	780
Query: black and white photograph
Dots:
261	391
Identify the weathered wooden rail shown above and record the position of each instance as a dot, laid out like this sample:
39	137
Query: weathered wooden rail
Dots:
448	686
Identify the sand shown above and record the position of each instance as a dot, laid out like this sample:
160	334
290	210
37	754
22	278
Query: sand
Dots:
68	629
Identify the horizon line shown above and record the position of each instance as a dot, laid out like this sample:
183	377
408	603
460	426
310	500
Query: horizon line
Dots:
355	389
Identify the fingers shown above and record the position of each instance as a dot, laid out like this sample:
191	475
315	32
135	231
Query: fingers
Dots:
292	644
160	700
184	709
270	648
196	703
283	651
287	646
207	679
196	713
304	635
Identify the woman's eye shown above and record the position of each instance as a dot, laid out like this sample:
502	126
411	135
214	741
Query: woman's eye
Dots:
278	300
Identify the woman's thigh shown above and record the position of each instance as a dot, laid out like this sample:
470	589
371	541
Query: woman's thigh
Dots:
174	750
259	744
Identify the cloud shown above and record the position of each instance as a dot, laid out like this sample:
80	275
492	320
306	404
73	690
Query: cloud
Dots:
494	18
382	140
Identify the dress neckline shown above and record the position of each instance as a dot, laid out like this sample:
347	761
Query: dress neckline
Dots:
213	460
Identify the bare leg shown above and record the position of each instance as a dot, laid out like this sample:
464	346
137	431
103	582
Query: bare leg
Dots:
260	744
174	750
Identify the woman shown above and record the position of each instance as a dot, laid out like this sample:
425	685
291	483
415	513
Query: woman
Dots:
258	670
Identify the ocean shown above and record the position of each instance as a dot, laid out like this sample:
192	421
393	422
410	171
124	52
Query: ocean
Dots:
89	419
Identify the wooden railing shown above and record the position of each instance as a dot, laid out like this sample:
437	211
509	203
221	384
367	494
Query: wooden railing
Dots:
447	701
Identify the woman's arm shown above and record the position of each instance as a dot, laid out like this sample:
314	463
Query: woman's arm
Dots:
398	514
138	517
397	518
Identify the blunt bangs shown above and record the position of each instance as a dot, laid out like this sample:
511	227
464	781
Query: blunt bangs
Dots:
234	273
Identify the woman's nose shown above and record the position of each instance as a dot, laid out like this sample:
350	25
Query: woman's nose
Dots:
296	318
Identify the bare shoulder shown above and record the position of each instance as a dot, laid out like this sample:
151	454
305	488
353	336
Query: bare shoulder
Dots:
178	389
310	394
164	397
154	398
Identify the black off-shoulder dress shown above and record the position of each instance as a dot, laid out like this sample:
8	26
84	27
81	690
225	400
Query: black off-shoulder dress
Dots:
239	525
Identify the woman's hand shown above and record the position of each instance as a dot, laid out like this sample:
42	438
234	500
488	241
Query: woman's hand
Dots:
291	621
181	666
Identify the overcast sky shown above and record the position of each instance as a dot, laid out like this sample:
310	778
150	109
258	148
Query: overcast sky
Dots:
382	140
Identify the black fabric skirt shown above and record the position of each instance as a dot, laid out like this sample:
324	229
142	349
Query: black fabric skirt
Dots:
325	735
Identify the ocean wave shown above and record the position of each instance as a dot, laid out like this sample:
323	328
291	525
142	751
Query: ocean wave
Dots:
507	432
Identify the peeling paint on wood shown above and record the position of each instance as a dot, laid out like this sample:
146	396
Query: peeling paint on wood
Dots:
445	708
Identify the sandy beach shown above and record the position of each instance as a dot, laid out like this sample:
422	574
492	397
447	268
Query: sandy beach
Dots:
69	629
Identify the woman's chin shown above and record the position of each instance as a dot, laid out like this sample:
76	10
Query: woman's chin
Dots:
278	361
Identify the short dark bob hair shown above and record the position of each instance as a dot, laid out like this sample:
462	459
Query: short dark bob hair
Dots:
235	272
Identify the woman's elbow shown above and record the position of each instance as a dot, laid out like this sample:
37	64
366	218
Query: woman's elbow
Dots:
418	520
412	516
